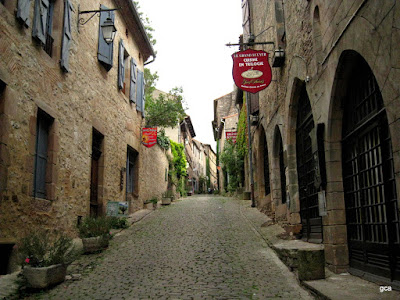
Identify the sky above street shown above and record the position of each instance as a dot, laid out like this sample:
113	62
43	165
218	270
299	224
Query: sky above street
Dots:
191	53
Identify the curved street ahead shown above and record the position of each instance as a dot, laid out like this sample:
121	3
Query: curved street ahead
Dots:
202	247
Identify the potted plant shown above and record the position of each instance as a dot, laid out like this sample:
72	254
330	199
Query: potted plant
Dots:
45	258
151	204
167	197
95	233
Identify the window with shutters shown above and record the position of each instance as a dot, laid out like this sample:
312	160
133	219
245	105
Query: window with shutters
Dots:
43	24
131	171
44	123
133	79
140	105
105	50
123	70
66	36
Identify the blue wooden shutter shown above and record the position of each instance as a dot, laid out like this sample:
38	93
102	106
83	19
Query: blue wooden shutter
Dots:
132	89
40	20
105	51
143	96
23	10
139	91
121	65
66	39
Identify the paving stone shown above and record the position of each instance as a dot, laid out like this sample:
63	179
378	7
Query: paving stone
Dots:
199	248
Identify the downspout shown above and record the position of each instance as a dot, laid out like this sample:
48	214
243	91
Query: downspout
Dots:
149	62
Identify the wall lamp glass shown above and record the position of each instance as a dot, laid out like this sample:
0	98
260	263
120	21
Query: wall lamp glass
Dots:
108	29
279	58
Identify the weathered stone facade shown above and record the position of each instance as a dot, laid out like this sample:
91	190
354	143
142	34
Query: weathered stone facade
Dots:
225	119
82	103
324	43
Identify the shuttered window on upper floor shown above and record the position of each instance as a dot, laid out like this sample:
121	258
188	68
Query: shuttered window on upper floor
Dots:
43	23
66	36
105	50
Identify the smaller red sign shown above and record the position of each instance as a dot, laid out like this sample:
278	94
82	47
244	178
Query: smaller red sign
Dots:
231	135
149	137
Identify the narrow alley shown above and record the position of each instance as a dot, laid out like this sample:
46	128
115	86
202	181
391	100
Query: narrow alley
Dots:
201	248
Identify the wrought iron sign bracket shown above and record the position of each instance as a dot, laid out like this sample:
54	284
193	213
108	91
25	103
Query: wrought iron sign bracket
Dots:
250	44
82	21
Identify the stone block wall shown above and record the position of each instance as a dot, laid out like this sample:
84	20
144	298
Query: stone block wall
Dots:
317	35
85	98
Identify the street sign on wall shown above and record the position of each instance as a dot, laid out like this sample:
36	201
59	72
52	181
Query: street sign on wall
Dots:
149	137
251	70
231	135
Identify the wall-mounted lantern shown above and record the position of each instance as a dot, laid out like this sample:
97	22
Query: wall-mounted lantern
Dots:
279	58
108	29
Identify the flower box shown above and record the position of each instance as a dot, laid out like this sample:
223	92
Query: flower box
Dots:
44	277
94	244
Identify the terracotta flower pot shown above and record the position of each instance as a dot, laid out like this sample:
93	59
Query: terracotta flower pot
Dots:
94	244
44	277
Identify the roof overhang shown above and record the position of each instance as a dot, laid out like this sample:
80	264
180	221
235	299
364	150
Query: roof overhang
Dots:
135	25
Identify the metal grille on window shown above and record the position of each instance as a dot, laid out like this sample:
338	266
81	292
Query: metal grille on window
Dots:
282	170
308	194
266	168
368	180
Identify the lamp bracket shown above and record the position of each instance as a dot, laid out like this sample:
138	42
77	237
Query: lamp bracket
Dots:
82	21
250	44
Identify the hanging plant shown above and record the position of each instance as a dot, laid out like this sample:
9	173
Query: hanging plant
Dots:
163	140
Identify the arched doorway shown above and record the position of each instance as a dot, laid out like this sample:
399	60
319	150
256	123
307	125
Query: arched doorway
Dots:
308	193
368	177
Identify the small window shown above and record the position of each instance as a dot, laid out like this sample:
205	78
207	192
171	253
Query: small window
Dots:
131	170
44	122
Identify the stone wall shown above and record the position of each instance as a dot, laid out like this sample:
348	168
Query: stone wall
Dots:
319	35
153	174
84	99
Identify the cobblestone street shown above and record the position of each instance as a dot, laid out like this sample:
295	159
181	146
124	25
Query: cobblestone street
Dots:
200	248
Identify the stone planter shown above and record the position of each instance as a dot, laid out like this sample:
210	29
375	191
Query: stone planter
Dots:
94	244
150	205
166	200
40	278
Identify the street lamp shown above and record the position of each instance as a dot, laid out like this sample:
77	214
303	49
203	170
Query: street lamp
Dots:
107	28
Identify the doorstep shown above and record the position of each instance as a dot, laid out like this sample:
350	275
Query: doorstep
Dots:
348	287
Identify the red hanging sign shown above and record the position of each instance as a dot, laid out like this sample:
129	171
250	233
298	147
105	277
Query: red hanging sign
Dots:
251	70
149	137
231	135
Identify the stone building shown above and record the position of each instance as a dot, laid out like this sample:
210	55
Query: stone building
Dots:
225	120
187	136
211	157
71	111
326	144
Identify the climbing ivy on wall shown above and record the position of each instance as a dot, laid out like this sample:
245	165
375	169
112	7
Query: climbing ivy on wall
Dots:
178	167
